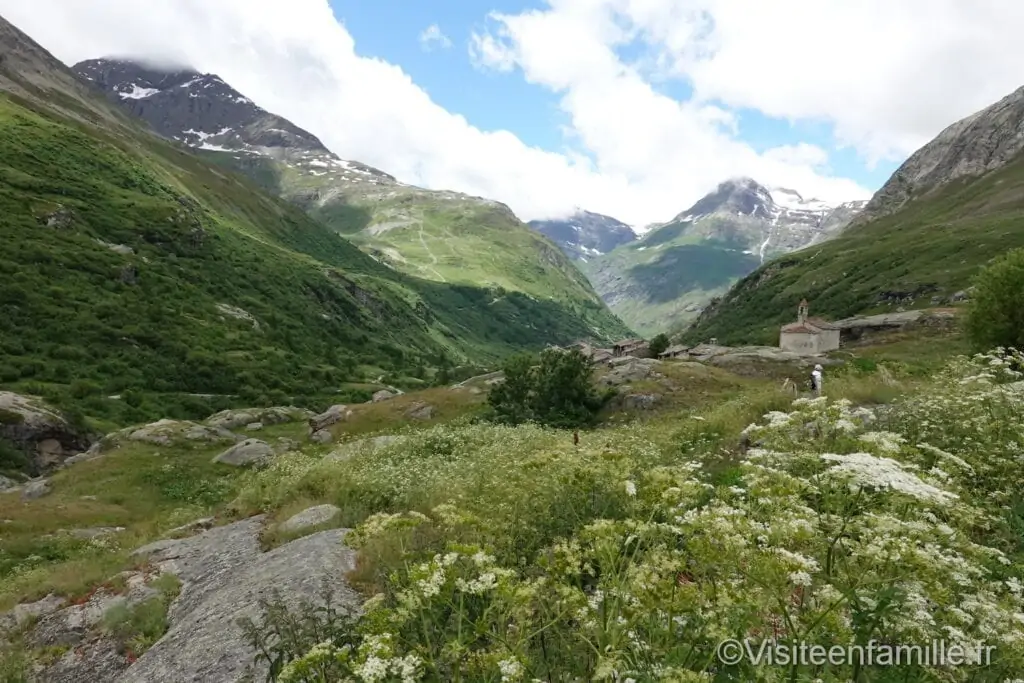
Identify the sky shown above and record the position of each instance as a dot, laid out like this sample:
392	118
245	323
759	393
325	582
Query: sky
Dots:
631	108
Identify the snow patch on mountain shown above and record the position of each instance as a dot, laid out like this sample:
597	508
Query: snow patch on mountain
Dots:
137	93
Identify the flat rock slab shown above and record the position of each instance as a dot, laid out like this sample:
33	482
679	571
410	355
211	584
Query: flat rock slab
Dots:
310	517
224	576
248	452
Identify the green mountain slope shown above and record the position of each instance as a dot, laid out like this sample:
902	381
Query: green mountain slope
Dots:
445	237
926	250
665	278
134	268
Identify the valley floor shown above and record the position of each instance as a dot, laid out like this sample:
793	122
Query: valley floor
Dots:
889	510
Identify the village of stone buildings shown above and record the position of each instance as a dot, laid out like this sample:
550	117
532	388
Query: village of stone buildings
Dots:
807	338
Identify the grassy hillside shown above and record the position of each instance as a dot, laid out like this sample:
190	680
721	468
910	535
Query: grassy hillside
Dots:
929	248
440	236
133	268
494	549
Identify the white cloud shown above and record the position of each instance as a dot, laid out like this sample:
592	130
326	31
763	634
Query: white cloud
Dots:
888	78
432	37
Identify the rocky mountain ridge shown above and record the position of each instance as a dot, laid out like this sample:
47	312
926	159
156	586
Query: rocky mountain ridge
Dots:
978	144
584	234
952	207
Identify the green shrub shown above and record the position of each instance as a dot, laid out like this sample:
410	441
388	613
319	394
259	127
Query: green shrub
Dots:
996	316
556	392
659	344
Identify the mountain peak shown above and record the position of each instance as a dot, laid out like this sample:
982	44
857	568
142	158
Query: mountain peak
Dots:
585	234
195	108
740	196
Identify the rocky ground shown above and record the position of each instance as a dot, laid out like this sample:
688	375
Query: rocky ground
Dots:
223	575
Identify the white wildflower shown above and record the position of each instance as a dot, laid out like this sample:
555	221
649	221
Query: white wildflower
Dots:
630	489
800	578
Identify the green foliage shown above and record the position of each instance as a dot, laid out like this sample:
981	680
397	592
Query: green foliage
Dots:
137	627
12	458
933	246
658	344
283	633
557	392
15	666
85	322
996	314
832	532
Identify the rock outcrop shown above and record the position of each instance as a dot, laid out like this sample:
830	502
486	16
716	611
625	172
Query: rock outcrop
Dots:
329	417
309	518
978	144
248	452
237	418
224	575
45	434
166	433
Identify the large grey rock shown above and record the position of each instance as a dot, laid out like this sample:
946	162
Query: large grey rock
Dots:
331	416
323	436
236	418
382	395
6	483
40	430
36	489
165	433
248	452
20	614
419	411
224	576
310	517
640	401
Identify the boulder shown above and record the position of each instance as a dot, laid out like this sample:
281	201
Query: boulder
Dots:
382	395
248	452
6	483
165	433
254	426
236	418
323	436
331	416
633	370
224	574
36	489
41	431
640	401
419	411
310	517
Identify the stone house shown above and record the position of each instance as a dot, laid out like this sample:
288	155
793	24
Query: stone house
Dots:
675	351
631	347
808	336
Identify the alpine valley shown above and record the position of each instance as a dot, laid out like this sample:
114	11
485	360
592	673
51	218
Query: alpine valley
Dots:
953	206
665	278
142	280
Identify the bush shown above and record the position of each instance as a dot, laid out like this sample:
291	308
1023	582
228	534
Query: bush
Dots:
658	345
996	317
556	392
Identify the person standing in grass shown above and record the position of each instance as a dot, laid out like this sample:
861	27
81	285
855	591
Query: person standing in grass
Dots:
816	378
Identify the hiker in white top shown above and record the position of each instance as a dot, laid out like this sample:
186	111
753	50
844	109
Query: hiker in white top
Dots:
816	380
